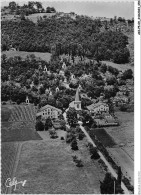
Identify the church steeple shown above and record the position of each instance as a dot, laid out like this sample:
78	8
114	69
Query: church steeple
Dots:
77	95
77	101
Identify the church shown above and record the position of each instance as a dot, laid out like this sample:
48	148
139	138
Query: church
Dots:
77	103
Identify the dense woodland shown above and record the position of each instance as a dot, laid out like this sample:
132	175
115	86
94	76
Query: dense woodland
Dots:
81	36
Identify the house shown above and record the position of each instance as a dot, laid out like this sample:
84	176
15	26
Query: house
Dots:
50	93
72	76
98	108
62	73
32	84
45	69
73	79
47	91
65	80
57	89
49	111
77	103
27	100
64	66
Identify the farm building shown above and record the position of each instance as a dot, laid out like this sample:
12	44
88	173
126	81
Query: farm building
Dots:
49	111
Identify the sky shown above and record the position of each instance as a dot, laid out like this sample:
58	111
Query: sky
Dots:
122	8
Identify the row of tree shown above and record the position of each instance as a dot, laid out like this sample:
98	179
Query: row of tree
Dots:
30	8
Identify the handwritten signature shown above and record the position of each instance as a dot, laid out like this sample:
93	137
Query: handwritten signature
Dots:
9	183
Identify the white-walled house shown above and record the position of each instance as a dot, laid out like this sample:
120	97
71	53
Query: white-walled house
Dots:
99	107
62	73
49	111
64	66
27	100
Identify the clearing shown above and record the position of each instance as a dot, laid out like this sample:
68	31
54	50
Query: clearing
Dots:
121	67
34	17
23	54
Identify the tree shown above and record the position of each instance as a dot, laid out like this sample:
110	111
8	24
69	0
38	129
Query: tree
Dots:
107	186
103	68
74	145
109	91
59	104
72	117
94	153
48	124
111	80
119	176
121	56
128	74
111	106
53	133
48	10
70	137
39	5
123	107
81	135
112	70
87	119
22	16
39	125
12	6
73	85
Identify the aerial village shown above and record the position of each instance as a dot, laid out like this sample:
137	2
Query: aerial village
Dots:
98	110
67	99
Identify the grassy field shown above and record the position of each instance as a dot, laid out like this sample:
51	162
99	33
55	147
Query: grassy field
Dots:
16	131
8	156
5	113
23	54
119	141
124	134
122	159
103	136
34	17
48	168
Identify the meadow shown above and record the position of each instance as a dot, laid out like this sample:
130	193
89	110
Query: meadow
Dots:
48	167
44	56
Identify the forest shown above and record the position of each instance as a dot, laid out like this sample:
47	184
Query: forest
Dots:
81	36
